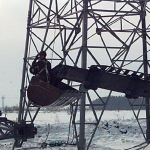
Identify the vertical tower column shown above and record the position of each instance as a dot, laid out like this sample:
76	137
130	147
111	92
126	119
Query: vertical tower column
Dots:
22	91
145	63
82	141
18	142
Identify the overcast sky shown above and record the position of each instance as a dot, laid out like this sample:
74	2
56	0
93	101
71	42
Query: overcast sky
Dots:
13	18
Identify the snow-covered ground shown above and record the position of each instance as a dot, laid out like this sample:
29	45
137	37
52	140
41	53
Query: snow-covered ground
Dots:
117	131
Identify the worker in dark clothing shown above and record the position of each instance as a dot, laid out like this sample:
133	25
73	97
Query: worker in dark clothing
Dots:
41	67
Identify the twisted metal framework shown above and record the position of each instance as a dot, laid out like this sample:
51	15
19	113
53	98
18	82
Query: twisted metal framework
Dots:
82	33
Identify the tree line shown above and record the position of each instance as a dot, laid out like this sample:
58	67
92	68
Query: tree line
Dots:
120	103
114	103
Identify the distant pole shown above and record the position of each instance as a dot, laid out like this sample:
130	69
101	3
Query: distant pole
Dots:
3	97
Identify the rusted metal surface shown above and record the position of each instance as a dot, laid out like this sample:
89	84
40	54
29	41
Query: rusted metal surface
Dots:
42	93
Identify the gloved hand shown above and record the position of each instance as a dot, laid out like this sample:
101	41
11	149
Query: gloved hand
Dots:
37	56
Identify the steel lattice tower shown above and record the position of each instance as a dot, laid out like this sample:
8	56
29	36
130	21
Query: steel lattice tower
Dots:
85	33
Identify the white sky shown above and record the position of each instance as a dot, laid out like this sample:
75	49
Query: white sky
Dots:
13	18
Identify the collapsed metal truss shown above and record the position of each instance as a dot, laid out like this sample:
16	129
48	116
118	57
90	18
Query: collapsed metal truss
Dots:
84	33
